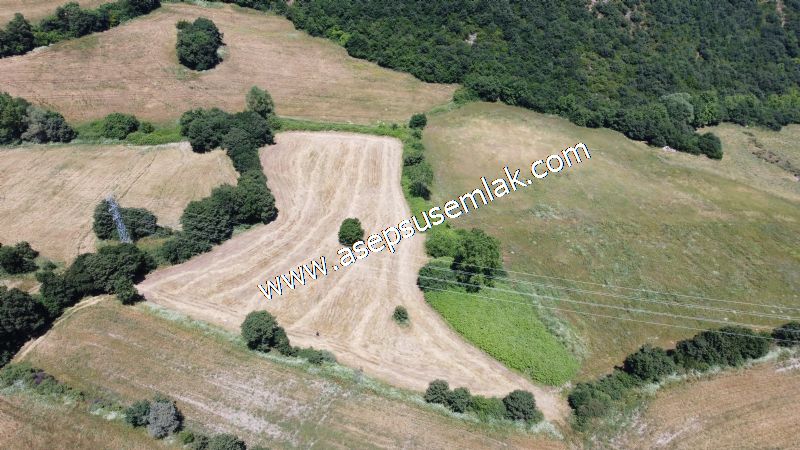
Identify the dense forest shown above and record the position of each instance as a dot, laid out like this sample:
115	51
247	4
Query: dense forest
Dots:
653	69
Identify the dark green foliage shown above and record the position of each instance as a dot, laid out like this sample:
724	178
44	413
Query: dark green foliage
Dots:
163	418
350	231
438	275
198	43
477	259
487	408
46	126
98	273
56	293
649	364
260	102
443	241
138	221
137	414
13	113
181	247
126	291
520	405
588	402
787	335
418	121
119	126
208	219
728	346
21	318
400	314
709	145
18	258
205	128
226	442
257	202
437	392
17	38
458	399
261	332
419	189
103	224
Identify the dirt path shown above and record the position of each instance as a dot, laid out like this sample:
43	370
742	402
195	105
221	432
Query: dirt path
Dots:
318	180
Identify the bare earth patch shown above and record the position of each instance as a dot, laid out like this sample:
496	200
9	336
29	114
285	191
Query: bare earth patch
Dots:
319	179
34	10
48	193
133	69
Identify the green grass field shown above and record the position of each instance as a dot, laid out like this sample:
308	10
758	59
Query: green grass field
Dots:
633	216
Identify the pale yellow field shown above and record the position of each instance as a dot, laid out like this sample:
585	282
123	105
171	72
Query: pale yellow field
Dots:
33	10
133	69
48	193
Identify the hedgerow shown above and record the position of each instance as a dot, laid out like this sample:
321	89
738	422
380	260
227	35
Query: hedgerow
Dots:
518	405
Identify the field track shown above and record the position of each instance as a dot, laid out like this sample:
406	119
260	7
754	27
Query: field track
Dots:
48	193
133	69
318	180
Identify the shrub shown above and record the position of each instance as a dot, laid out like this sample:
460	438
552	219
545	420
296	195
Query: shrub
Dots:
587	401
260	102
46	126
314	356
226	442
205	129
477	260
487	408
18	258
787	335
419	189
200	442
400	314
728	346
458	399
13	111
126	291
418	121
437	275
709	145
350	231
17	38
198	43
181	247
119	126
163	418
437	392
261	332
649	364
137	415
520	405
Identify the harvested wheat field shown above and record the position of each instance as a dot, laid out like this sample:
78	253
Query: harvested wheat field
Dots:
749	408
319	179
37	9
133	69
48	193
130	353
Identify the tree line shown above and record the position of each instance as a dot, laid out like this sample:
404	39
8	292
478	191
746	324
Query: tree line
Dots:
22	122
655	70
67	22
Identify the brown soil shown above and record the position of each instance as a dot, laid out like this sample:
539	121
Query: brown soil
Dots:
33	10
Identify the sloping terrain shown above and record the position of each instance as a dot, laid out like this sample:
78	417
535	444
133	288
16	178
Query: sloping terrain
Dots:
750	408
722	235
34	10
48	193
133	69
319	179
128	353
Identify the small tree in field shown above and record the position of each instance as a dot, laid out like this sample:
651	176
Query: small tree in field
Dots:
350	231
400	315
163	418
261	332
520	405
418	121
437	392
260	102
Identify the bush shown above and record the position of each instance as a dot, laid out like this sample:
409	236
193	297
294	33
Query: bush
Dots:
261	332
458	400
728	346
442	241
226	442
649	364
477	260
487	408
400	315
17	38
119	126
21	318
260	102
163	418
520	405
313	356
787	335
137	415
709	145
19	258
205	129
419	189
438	391
46	126
587	401
350	231
181	247
198	43
13	111
437	275
418	121
126	291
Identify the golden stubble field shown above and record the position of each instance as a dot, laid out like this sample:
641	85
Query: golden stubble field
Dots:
48	193
129	353
33	10
133	69
319	179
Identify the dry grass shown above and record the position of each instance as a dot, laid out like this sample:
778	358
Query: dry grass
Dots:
631	216
750	408
319	179
133	69
34	10
48	193
130	354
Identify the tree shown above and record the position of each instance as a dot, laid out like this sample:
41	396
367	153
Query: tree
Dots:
163	418
119	126
46	126
437	392
137	415
103	224
257	201
126	291
207	220
198	43
787	335
205	129
458	399
18	258
477	259
139	222
418	121
113	262
400	314
420	189
649	364
21	318
709	145
520	405
181	247
56	294
226	442
260	102
17	38
13	111
261	332
350	231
